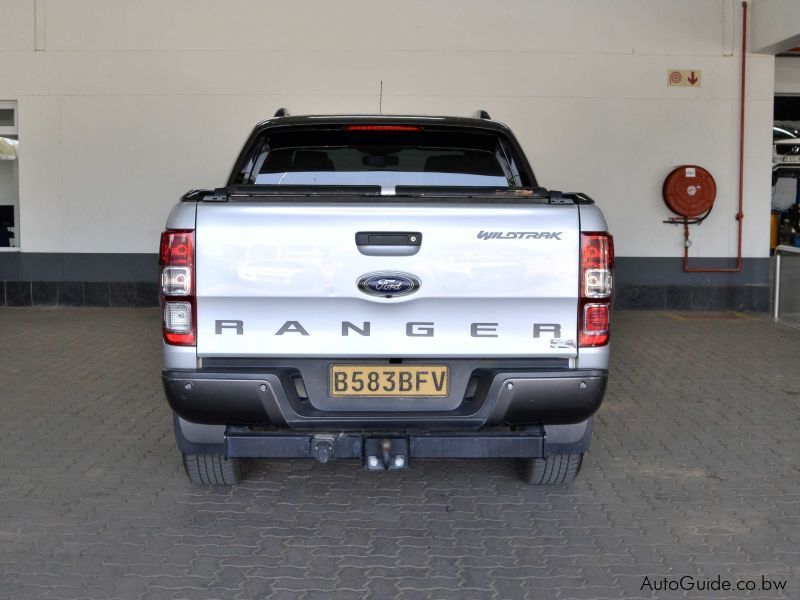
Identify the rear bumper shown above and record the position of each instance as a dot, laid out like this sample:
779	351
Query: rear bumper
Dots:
489	397
790	170
243	443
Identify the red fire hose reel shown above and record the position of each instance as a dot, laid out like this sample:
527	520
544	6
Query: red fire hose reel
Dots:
689	191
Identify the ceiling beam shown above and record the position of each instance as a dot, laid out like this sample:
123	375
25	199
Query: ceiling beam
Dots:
775	26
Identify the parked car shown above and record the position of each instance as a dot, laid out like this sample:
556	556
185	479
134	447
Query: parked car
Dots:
785	159
784	132
385	289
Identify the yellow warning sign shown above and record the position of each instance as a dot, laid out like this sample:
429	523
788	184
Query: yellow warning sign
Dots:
683	78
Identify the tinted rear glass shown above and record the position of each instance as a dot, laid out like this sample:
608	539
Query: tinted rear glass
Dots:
415	157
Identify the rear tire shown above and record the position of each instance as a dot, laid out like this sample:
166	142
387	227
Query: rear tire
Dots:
550	470
212	469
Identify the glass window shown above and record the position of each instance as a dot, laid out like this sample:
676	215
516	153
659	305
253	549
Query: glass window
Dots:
7	117
384	155
9	175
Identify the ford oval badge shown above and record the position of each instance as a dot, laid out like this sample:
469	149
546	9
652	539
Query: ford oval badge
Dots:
388	284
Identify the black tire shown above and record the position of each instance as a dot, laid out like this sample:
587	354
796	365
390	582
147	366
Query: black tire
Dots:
212	469
550	470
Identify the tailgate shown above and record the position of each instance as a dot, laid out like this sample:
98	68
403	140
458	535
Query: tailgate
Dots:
282	280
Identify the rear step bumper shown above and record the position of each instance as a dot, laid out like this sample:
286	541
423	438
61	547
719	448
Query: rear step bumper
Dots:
269	398
384	451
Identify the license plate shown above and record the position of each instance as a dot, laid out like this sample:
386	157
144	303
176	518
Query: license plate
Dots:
389	380
791	159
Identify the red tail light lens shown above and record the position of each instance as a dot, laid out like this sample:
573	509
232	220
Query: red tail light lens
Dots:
177	249
596	288
179	315
595	325
595	318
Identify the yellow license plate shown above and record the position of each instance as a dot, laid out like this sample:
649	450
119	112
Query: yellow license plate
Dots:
389	380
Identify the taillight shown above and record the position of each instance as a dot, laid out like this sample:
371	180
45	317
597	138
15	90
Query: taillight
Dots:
596	288
595	318
176	259
177	248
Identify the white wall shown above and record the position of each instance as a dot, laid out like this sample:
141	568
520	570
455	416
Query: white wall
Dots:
787	75
130	104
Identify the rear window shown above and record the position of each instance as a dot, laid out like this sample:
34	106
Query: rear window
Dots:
383	155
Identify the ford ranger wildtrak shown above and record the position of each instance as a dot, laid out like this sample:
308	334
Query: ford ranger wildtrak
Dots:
385	289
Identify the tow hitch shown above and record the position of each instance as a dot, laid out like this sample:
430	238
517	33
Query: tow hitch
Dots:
386	454
380	454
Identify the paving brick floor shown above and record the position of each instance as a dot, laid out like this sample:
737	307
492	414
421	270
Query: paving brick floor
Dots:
694	471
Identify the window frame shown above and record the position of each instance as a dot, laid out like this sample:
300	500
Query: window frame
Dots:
12	129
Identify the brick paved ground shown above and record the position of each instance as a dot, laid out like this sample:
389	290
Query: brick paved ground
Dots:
694	471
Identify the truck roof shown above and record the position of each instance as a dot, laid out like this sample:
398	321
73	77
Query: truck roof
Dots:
283	122
467	122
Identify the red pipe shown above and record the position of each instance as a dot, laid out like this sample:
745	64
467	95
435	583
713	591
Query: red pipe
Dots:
740	214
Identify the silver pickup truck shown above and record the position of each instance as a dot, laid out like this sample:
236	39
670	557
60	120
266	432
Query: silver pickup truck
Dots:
386	289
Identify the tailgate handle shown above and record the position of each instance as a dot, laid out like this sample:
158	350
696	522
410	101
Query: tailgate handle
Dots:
388	243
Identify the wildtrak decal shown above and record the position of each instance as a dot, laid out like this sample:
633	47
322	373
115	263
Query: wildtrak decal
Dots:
519	235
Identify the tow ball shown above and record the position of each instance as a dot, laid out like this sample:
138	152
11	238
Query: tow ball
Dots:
387	454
